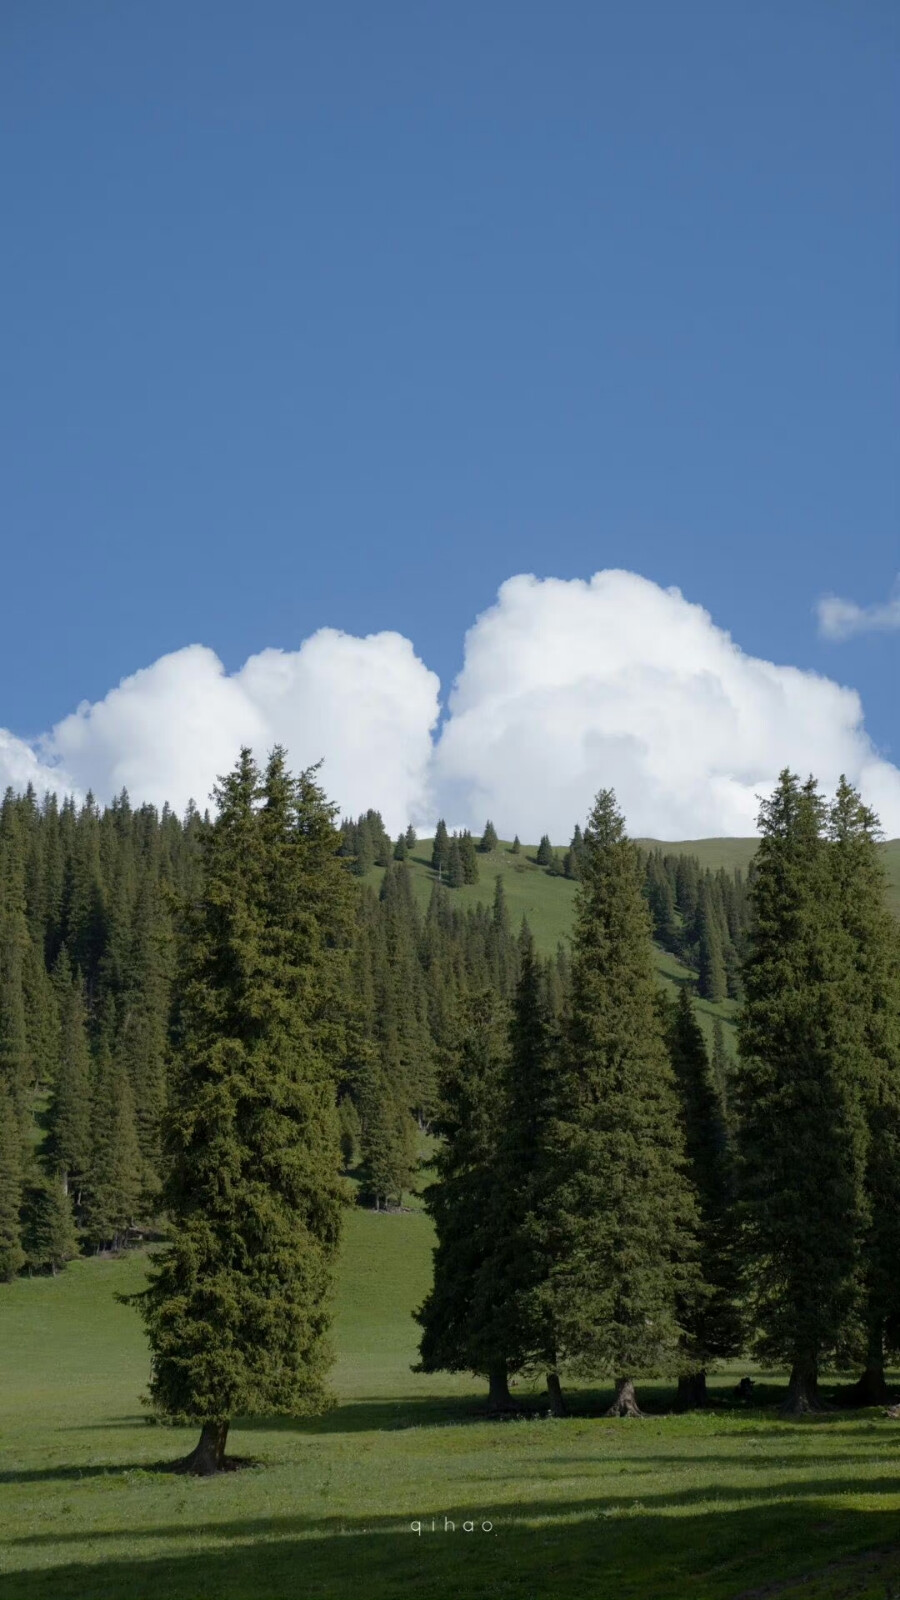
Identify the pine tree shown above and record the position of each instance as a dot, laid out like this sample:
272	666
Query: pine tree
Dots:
410	838
489	840
12	1256
618	1221
801	1100
712	982
545	851
712	1322
48	1227
351	1131
720	1068
400	848
468	856
237	1305
113	1189
873	1000
69	1132
515	847
440	852
459	1331
456	872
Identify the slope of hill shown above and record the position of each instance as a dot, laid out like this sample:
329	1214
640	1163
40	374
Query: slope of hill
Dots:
548	901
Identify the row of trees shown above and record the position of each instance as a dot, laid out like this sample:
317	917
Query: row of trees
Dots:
596	1214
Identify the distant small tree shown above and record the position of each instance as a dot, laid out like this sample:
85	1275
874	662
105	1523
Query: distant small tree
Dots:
468	857
456	872
489	840
545	851
400	850
515	847
410	837
440	850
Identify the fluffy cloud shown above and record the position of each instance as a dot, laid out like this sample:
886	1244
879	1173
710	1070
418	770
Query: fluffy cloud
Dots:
364	706
571	686
566	687
842	619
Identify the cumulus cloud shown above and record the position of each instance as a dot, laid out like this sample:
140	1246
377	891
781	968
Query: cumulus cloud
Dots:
366	707
842	619
566	687
571	686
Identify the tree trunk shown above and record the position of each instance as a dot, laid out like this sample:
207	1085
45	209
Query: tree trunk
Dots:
625	1403
803	1398
870	1388
208	1457
499	1397
691	1391
554	1390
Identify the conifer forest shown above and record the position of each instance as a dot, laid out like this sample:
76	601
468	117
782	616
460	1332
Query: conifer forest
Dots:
222	1034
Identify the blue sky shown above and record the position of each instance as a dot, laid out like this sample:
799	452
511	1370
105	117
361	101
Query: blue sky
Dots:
341	315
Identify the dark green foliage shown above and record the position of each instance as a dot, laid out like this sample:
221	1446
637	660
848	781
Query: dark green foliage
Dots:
712	1323
459	1332
48	1226
68	1148
489	840
618	1221
468	856
440	850
802	1095
113	1187
350	1132
12	1256
515	847
237	1310
712	982
873	998
410	838
544	855
456	872
400	848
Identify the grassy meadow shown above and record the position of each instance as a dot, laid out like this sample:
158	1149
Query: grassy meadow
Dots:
725	1504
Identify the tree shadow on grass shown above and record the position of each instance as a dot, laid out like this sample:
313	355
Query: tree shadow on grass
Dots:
584	1549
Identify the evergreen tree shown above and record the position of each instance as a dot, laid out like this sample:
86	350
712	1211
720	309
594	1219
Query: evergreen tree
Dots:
351	1131
114	1186
237	1306
545	851
48	1227
69	1122
489	840
459	1330
515	847
410	838
801	1098
618	1220
712	1322
12	1256
456	872
440	853
712	981
468	857
720	1068
873	1001
400	850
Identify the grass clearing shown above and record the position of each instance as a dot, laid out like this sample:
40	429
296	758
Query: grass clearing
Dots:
703	1507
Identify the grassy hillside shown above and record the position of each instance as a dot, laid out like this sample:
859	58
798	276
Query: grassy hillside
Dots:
702	1507
548	901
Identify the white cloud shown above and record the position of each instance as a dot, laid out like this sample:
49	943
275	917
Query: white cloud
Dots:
571	686
365	706
566	687
842	619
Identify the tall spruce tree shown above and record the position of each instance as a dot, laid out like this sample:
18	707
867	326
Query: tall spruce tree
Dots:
873	1000
68	1145
619	1219
12	1256
711	1322
237	1309
801	1099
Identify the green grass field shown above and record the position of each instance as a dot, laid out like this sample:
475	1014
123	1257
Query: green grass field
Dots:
703	1507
